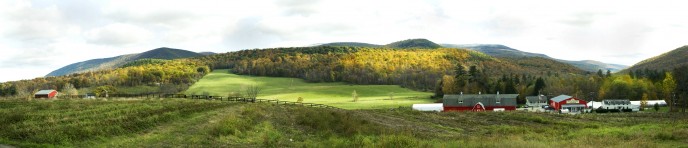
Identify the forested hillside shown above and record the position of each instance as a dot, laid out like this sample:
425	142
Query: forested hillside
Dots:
170	76
496	50
414	43
350	44
404	44
667	61
502	51
419	69
442	71
114	62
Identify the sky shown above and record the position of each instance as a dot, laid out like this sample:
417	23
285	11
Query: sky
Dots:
39	36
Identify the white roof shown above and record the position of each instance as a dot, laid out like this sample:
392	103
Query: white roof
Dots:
649	102
44	92
428	107
561	98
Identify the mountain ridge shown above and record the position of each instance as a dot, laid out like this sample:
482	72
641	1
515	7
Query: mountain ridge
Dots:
114	62
499	50
403	44
495	50
666	61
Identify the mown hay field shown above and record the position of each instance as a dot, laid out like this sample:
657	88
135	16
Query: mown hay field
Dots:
213	123
222	83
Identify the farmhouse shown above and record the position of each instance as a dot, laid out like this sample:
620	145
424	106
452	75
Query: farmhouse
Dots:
567	102
49	94
536	101
479	102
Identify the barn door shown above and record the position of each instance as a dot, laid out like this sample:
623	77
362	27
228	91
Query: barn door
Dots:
478	107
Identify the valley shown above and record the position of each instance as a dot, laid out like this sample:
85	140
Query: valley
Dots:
372	87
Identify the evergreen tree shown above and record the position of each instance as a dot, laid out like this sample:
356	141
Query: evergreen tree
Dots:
473	72
681	78
609	73
438	89
510	87
599	73
539	85
461	76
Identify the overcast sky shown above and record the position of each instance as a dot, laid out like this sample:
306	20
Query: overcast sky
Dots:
37	37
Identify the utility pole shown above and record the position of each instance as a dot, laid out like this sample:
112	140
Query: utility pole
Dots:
592	100
673	102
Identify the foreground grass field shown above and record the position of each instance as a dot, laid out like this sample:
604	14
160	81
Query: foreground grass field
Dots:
222	83
205	123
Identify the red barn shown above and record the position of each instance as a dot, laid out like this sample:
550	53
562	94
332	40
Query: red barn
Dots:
479	102
49	94
567	102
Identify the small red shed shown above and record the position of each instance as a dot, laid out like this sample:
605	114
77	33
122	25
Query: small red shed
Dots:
567	102
49	94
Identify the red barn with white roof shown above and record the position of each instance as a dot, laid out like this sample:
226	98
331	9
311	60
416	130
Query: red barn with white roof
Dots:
567	102
49	94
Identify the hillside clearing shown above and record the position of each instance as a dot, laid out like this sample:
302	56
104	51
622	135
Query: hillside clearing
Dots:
222	83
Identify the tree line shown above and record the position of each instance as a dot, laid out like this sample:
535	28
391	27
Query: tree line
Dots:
418	69
443	70
173	76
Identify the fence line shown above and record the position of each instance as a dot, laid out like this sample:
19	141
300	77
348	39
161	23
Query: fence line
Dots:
209	97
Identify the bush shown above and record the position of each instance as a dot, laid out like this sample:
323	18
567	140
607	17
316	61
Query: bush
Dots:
397	141
231	126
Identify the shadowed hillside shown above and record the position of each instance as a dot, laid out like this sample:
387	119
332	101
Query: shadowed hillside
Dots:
114	62
667	61
405	44
414	43
497	50
351	44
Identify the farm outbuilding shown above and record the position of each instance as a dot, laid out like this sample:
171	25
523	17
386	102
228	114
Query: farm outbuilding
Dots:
569	103
651	102
622	105
479	102
536	101
49	94
437	107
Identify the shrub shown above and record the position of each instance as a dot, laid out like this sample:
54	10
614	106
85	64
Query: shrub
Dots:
397	141
231	126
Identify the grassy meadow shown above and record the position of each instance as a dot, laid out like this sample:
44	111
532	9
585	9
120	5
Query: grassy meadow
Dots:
222	83
211	123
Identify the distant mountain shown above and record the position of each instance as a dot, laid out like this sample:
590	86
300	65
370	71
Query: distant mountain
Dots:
114	62
207	53
497	50
594	66
351	44
667	61
414	43
410	43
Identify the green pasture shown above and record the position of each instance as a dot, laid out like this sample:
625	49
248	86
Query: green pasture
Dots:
213	123
222	83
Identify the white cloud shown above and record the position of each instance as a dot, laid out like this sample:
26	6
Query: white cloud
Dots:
118	34
29	25
613	31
